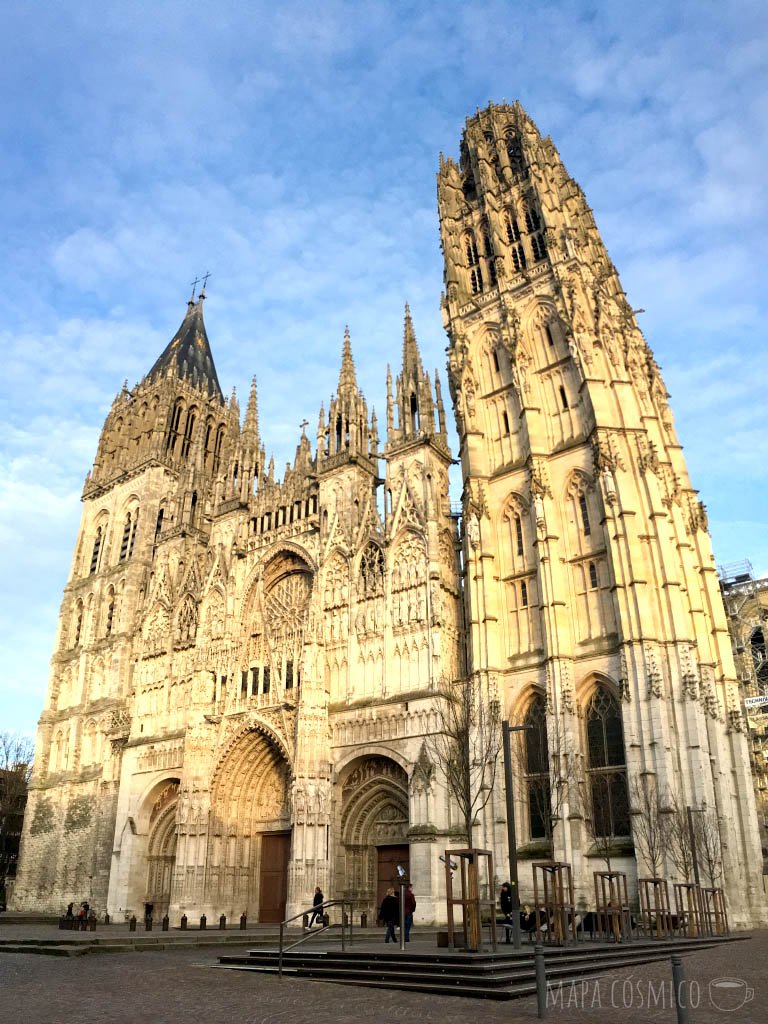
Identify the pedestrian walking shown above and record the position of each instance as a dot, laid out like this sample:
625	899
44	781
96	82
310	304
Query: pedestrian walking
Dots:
389	914
317	907
409	905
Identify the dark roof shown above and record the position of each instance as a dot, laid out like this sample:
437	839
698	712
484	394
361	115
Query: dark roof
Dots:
188	354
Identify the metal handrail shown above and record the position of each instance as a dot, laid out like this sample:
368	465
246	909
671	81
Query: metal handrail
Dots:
309	935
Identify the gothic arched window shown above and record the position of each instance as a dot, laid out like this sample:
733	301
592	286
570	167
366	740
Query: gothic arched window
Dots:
173	429
473	262
519	534
217	448
96	550
110	612
606	765
372	570
78	623
537	782
584	514
189	427
125	542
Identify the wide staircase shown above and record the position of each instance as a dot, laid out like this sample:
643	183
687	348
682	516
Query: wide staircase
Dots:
477	975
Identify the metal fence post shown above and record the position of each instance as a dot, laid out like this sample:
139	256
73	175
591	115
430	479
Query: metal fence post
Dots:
541	980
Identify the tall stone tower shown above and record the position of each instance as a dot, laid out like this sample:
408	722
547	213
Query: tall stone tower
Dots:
149	494
591	587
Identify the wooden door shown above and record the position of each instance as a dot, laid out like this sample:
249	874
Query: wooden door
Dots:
273	876
389	858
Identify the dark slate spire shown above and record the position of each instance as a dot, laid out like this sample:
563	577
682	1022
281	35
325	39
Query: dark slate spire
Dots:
188	355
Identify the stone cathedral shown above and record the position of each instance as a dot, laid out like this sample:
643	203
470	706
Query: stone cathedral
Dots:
244	685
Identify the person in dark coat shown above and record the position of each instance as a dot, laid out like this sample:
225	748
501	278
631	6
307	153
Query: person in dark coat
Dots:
389	914
317	907
505	902
409	905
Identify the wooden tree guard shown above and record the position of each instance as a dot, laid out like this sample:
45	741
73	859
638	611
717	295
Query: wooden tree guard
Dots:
612	904
715	912
553	902
655	915
468	863
688	908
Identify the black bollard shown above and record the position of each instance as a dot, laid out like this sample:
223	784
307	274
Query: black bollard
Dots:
541	981
132	924
681	989
92	922
62	923
148	923
243	922
363	920
203	923
166	923
183	922
106	919
326	920
223	923
305	921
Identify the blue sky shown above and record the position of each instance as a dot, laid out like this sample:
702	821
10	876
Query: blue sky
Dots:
291	149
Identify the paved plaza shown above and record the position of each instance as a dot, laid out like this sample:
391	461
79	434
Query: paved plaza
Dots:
178	984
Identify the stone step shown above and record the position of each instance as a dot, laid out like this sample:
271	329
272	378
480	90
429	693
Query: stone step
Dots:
493	976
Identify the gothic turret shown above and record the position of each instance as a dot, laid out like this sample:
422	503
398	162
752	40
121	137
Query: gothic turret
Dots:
413	399
348	434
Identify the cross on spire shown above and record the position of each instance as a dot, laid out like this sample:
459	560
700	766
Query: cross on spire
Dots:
195	283
205	279
304	424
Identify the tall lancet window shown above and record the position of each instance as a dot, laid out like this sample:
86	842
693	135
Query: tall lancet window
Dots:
473	262
606	765
414	413
96	551
173	429
125	542
537	782
189	427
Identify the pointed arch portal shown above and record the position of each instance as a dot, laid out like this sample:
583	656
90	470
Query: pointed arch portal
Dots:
374	829
249	837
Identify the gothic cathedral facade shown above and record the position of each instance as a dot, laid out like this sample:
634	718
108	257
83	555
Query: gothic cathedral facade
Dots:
246	669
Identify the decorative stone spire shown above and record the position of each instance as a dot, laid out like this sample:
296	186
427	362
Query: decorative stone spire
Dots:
411	356
347	377
251	425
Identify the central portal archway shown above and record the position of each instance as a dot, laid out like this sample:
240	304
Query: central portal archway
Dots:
374	830
161	849
249	839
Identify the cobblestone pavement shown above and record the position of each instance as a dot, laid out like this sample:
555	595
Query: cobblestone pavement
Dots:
178	985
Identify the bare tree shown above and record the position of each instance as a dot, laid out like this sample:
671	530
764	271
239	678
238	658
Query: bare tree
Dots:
15	770
679	836
709	844
650	822
466	745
